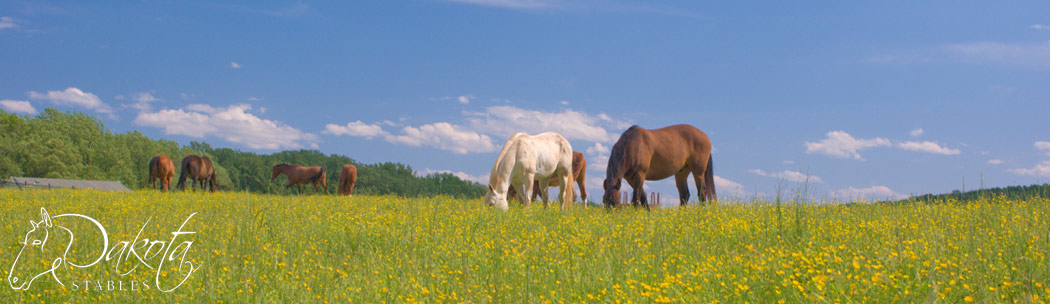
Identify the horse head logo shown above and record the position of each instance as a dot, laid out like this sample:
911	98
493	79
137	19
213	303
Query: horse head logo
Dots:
38	247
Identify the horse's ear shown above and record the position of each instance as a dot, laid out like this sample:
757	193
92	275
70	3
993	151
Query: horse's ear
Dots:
32	224
44	217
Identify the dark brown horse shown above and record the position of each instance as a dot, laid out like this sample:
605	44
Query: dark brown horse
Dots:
347	179
200	171
579	170
642	155
299	175
161	168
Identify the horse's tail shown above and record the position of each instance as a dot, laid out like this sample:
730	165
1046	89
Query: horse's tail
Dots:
709	179
152	168
316	176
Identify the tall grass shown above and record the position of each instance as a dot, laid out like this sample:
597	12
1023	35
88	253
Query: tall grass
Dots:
261	248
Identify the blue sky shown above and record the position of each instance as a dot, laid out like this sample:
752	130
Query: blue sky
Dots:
875	100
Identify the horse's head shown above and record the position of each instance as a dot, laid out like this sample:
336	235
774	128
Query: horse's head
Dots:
27	267
612	192
496	199
277	169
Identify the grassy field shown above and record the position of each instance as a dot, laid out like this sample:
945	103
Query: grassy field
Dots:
303	249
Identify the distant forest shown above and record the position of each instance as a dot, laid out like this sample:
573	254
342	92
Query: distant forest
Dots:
1010	193
57	144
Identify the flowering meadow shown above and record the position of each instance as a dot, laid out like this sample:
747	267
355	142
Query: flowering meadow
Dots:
329	249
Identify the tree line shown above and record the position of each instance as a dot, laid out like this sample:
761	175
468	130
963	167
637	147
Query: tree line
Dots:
72	145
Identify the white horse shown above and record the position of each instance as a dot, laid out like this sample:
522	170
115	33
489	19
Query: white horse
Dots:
525	159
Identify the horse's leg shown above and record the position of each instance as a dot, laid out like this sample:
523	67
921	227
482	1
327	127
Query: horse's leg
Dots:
681	181
583	192
300	187
520	189
639	189
530	180
565	191
542	188
698	176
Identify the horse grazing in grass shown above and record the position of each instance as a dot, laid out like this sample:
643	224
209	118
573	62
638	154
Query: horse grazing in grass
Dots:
579	170
161	168
200	170
299	175
347	179
526	159
643	154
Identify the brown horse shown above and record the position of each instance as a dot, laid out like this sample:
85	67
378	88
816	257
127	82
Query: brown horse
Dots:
200	171
347	179
642	155
579	170
299	175
160	167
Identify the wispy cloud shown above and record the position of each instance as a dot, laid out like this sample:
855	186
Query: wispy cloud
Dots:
143	101
788	175
1040	27
235	65
1024	55
995	162
440	135
843	145
724	186
916	132
928	147
872	193
1039	170
233	124
1043	146
73	97
465	99
7	23
506	120
18	106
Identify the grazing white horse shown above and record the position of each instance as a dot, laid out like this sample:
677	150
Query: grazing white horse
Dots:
525	159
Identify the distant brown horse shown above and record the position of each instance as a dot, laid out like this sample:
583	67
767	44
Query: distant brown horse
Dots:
642	155
579	170
299	175
347	179
160	167
200	171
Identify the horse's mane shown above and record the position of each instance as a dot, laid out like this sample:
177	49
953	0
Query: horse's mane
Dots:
494	176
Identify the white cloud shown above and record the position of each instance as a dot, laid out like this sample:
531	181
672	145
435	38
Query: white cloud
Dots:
465	99
873	192
234	64
1017	55
928	147
564	102
995	162
482	179
1040	27
1040	170
788	175
506	120
232	124
1042	145
18	106
789	162
726	186
444	136
599	157
512	4
142	101
916	132
75	97
355	128
7	23
841	144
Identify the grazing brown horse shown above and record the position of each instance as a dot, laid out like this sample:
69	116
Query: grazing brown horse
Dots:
200	170
643	154
579	170
160	167
347	179
299	175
